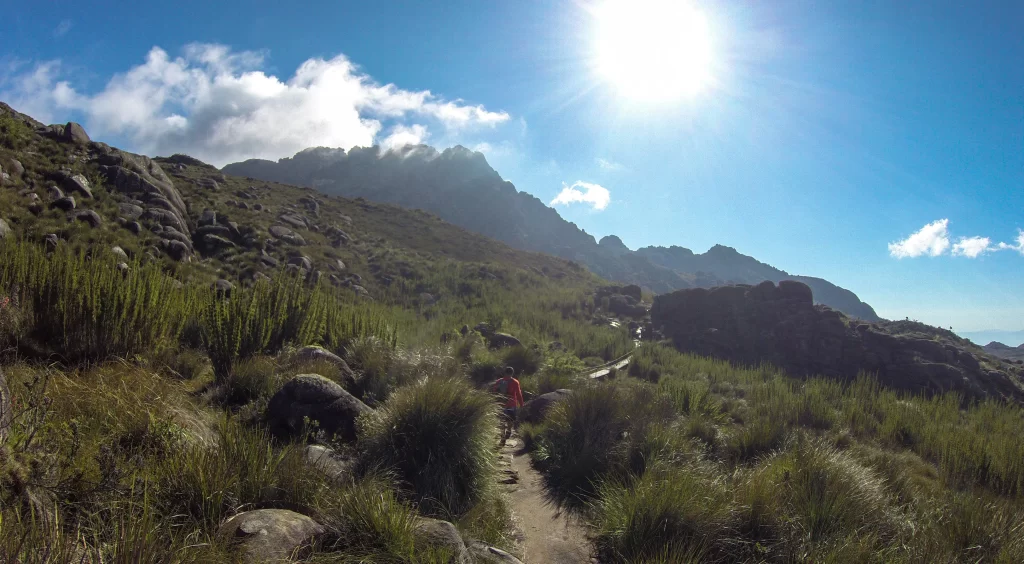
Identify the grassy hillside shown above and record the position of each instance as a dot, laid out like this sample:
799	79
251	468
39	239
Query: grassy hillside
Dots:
138	417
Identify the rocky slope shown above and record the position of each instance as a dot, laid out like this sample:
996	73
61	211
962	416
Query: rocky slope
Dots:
59	187
782	326
460	186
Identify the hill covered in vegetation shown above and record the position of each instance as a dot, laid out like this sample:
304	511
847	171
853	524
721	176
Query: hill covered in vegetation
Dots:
196	367
459	186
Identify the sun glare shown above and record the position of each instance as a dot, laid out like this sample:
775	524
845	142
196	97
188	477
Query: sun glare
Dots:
653	50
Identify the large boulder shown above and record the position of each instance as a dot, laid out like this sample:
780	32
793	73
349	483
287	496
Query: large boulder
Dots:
319	399
78	184
502	340
624	305
5	229
75	133
269	535
319	354
287	235
67	203
333	465
434	533
90	217
536	409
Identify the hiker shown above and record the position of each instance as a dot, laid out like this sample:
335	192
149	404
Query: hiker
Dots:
508	388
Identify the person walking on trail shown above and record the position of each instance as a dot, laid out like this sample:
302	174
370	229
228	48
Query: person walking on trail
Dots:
508	388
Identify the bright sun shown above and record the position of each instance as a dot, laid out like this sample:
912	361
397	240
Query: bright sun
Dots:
653	50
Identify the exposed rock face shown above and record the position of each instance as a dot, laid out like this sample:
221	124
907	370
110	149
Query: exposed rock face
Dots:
781	325
139	176
269	535
5	229
319	399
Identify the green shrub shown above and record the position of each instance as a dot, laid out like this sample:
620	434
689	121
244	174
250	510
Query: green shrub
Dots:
14	134
383	368
251	379
757	437
84	309
188	364
830	494
595	434
524	360
668	515
205	485
437	437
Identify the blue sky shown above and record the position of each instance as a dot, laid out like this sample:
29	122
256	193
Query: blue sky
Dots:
829	140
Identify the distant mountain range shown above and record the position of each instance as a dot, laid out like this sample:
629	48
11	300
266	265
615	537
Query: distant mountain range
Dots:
459	186
996	348
1011	338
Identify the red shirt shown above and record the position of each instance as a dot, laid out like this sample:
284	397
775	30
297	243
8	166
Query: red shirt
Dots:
513	395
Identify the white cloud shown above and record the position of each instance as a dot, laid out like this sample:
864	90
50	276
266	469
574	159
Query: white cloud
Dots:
402	135
1018	245
584	192
931	240
610	166
217	105
972	247
62	28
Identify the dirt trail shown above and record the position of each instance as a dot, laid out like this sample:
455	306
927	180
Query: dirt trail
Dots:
549	538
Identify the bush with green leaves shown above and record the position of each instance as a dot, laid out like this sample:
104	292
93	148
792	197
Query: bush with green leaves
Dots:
437	437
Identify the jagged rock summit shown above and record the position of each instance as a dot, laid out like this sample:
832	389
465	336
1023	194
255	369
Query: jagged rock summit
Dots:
459	186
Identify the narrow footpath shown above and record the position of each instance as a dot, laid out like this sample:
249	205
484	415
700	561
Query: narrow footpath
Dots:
550	538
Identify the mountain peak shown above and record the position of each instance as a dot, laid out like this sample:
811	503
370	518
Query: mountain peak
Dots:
613	244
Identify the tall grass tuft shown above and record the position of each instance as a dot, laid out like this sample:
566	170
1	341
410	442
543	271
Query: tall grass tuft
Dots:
437	437
600	432
82	309
668	515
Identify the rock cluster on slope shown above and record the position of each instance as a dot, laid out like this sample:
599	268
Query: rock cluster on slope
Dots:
781	325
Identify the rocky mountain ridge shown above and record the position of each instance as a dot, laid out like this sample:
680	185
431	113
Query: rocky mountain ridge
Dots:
460	186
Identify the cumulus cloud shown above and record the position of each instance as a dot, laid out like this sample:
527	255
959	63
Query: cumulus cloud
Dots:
583	192
931	240
1017	245
610	166
218	105
402	135
972	247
